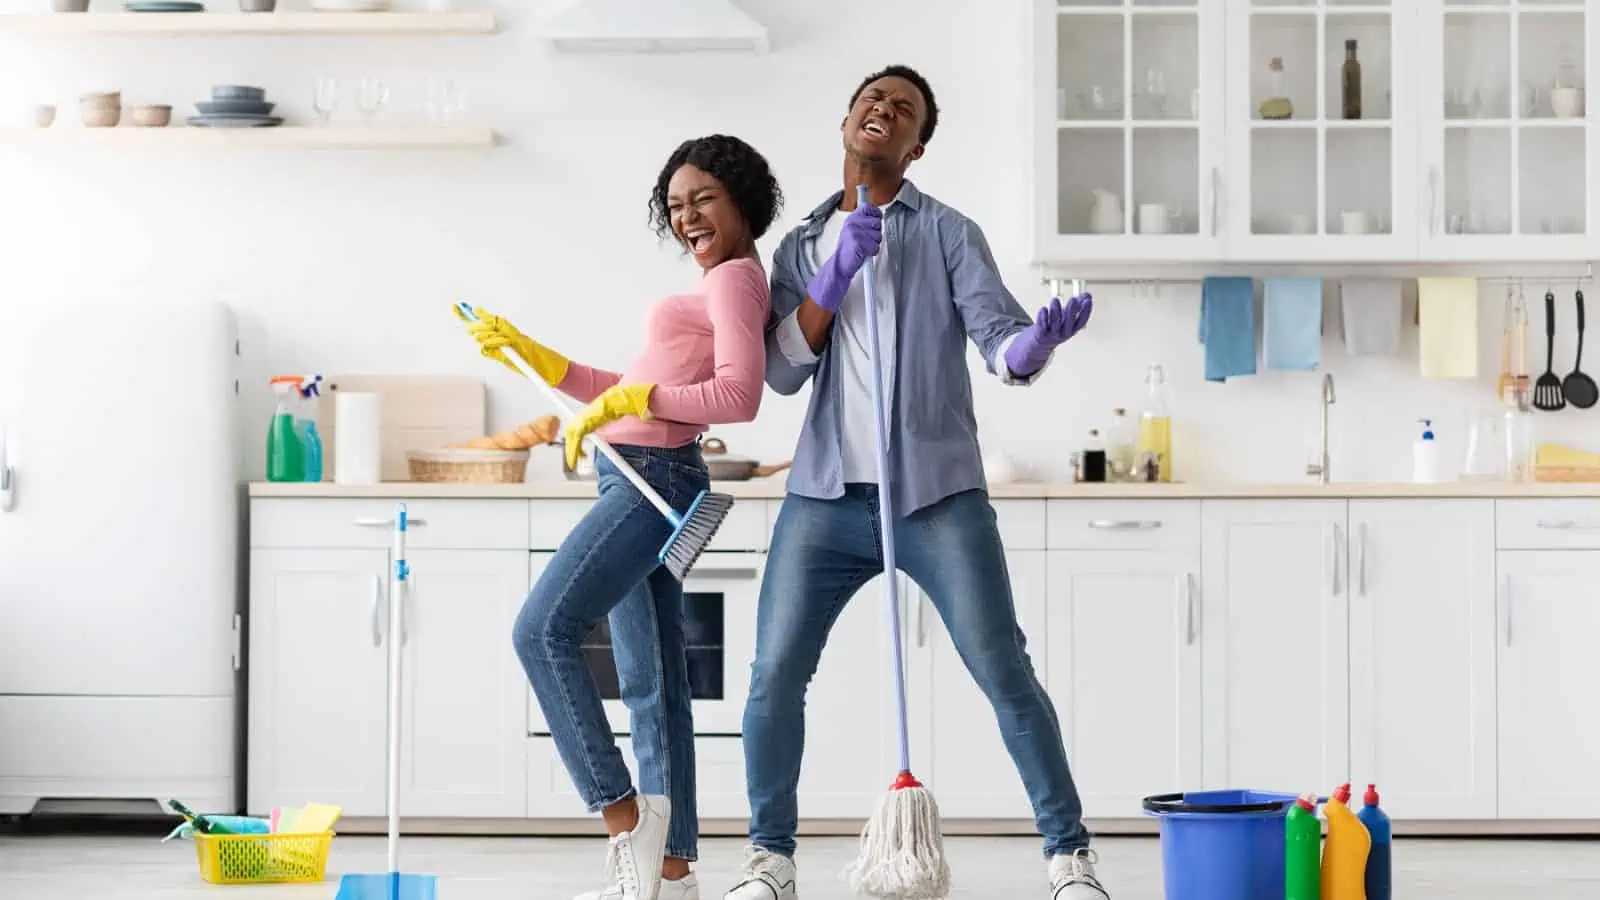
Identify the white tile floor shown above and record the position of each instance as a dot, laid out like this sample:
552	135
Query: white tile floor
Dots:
51	868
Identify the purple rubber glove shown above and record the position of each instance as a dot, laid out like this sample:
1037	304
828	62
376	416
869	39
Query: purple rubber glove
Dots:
862	235
1053	327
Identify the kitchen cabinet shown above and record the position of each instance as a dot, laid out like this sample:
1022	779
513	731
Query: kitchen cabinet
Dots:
318	677
1549	724
1422	655
1275	644
1124	658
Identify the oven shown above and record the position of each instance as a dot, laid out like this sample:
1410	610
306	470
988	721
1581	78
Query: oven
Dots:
719	599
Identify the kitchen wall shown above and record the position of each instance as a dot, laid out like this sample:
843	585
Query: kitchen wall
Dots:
346	262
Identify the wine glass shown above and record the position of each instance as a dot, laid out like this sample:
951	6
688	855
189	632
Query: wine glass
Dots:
374	94
326	98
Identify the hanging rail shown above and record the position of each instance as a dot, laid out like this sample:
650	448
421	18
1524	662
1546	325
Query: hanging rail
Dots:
1061	286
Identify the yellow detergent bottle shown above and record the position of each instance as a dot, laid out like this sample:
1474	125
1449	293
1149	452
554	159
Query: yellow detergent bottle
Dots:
1344	856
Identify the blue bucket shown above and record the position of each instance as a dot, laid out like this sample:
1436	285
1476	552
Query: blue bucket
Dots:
1222	845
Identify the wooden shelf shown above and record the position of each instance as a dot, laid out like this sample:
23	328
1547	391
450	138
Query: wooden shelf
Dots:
421	137
273	23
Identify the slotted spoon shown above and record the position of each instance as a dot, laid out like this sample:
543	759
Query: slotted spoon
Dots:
1547	390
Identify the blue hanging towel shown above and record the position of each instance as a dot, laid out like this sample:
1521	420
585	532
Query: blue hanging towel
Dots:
1228	327
1292	329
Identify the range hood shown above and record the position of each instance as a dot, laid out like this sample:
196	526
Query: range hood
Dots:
658	26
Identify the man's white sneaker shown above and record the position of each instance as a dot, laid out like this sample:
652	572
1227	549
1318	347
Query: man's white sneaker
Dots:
687	888
767	876
633	858
1072	877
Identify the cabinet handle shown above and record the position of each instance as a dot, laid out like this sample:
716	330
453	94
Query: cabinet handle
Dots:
1565	525
705	572
1186	584
1112	525
1361	564
1505	595
1216	198
411	522
1337	538
377	601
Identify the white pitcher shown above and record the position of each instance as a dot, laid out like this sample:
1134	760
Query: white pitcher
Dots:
1105	217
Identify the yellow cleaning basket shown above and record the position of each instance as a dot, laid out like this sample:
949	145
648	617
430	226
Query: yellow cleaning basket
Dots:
262	858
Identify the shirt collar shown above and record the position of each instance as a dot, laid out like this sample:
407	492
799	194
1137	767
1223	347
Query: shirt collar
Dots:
908	196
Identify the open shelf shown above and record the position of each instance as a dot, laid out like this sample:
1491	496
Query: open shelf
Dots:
286	136
273	23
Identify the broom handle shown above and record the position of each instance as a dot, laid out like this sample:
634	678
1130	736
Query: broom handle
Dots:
561	406
885	506
397	602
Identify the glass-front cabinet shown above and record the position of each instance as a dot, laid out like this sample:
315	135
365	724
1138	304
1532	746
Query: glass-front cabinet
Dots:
1316	130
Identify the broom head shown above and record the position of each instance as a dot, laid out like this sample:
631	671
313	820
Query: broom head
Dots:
902	847
694	534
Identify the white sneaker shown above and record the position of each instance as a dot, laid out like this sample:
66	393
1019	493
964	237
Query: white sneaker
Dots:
767	876
687	888
633	858
1072	877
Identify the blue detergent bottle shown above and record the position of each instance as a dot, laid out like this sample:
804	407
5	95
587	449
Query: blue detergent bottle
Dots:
305	428
1380	877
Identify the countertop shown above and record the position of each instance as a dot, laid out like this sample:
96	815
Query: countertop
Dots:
773	489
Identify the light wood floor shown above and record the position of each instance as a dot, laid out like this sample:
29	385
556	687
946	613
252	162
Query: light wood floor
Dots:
117	868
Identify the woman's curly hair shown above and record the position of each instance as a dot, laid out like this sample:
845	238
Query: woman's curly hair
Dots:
744	173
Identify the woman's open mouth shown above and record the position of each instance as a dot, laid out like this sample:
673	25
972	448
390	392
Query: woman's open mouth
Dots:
699	239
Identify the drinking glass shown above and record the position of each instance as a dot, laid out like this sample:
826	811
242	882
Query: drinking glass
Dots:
326	98
374	94
1486	449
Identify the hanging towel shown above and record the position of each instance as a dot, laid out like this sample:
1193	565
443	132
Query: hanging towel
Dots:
1372	316
1447	311
1293	323
1228	327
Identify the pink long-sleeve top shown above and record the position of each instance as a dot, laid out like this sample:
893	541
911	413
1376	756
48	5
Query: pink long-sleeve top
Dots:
705	351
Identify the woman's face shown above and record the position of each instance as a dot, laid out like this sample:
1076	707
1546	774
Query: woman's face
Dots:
704	218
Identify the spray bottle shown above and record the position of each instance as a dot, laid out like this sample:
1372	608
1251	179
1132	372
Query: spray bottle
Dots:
1303	844
1344	857
1425	463
1379	877
305	427
285	453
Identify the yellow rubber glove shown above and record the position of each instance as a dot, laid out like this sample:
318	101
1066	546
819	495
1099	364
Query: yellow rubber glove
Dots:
618	401
494	335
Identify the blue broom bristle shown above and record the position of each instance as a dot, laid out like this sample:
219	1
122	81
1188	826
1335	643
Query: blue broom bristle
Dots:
700	524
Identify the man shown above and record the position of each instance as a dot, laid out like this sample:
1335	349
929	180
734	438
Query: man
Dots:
936	287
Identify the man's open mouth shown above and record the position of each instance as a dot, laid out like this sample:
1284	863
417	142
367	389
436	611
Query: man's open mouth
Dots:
875	128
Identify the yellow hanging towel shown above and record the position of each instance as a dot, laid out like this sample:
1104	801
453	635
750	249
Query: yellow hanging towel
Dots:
1447	312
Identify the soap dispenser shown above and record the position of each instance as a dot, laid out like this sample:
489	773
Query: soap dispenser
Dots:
1425	456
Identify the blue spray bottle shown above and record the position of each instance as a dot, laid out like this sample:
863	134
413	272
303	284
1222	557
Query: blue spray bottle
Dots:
305	427
1379	860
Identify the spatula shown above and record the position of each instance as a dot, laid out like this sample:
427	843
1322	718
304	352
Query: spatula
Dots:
1579	387
1547	390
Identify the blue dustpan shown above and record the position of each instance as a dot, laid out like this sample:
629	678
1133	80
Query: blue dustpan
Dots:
393	885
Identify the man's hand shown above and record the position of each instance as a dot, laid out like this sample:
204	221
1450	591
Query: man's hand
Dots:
1054	326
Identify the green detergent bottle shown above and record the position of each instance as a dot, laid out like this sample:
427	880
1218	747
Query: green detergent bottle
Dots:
1303	851
286	459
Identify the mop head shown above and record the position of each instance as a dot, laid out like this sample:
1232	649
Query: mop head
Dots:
902	847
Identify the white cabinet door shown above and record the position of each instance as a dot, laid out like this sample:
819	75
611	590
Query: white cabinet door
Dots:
1275	645
463	719
318	711
1124	652
957	747
1549	723
1422	666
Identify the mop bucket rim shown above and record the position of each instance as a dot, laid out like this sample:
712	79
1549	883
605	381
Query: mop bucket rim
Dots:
1176	804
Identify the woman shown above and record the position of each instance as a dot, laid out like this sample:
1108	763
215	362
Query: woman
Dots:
703	364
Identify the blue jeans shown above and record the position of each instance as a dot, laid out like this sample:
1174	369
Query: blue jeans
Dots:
823	552
607	567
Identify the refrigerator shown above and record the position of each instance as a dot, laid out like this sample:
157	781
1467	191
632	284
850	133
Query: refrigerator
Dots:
120	526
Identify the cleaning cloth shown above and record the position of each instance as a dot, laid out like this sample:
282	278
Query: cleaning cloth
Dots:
1447	309
1371	313
1293	323
1228	327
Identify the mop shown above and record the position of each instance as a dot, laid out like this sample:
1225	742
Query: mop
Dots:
902	845
393	885
691	532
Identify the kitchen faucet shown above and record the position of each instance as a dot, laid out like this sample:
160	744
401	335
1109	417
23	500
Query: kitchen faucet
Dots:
1324	463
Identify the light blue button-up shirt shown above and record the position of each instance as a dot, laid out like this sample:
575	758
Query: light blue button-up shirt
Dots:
945	289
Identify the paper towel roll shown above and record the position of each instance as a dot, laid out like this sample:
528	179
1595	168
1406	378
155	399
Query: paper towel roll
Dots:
358	451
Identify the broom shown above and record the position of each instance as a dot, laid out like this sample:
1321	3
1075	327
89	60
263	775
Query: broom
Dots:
902	845
691	532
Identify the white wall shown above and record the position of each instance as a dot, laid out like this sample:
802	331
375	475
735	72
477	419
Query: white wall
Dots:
345	262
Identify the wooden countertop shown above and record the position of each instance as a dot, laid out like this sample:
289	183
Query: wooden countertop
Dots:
773	489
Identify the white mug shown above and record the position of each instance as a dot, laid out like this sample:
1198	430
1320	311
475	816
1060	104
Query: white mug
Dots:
1299	223
1356	222
1153	218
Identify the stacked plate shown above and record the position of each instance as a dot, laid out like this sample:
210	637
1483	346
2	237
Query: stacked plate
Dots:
163	6
235	106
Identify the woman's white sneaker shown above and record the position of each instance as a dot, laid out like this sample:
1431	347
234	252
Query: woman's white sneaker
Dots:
633	858
686	888
767	876
1072	877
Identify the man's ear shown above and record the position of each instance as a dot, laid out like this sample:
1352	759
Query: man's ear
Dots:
916	153
843	122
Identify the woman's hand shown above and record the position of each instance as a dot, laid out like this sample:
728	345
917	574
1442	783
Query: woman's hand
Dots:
614	403
495	335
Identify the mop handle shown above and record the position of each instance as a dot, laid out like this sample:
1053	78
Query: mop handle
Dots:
885	510
561	406
397	602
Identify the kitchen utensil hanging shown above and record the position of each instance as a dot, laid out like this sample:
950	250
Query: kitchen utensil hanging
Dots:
1522	381
1505	386
1547	394
1579	388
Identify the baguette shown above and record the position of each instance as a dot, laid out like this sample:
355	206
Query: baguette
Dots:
539	432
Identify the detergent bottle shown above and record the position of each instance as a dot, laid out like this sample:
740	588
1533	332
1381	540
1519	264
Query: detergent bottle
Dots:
1344	856
305	427
1303	842
285	453
1379	877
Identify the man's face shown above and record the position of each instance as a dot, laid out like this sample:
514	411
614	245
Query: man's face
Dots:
884	124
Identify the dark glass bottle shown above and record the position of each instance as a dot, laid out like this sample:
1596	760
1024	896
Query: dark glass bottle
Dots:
1351	81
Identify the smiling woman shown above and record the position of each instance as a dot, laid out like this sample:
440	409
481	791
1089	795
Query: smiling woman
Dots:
717	196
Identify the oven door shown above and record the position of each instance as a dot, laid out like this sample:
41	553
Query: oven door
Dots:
719	624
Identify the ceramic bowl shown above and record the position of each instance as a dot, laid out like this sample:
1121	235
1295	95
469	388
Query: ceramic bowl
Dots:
152	116
43	115
103	99
234	108
100	116
70	5
238	92
257	6
1567	102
